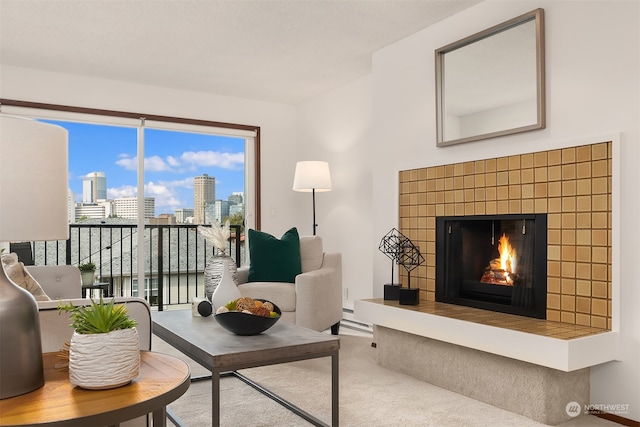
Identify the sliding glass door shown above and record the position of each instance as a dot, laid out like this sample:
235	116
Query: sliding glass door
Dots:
142	186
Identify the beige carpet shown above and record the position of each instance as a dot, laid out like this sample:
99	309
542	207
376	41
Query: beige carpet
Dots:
369	396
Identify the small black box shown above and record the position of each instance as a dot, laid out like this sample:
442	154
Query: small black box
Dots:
408	296
391	292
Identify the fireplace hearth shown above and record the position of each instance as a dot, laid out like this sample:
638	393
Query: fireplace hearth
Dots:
493	262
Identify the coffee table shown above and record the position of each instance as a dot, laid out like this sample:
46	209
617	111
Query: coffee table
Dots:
206	342
162	380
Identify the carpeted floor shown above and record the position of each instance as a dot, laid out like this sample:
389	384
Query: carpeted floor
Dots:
369	396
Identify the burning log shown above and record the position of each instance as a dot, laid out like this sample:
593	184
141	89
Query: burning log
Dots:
497	277
501	270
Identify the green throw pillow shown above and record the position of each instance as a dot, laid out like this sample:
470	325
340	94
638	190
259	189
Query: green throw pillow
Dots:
273	259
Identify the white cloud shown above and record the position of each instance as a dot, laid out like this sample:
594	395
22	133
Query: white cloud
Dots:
179	183
121	192
156	164
164	193
151	164
214	158
129	163
192	159
173	161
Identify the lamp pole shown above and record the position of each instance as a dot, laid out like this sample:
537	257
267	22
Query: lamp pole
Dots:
313	195
309	177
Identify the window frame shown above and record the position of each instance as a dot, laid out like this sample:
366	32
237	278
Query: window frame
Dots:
97	113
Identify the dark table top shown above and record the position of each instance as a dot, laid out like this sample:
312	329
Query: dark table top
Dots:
202	339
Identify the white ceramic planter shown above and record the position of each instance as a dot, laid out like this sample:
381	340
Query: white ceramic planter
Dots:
102	361
88	277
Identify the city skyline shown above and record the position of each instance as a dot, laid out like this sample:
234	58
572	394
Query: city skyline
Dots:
172	160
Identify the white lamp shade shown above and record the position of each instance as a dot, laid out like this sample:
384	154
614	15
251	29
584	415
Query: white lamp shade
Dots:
33	181
312	175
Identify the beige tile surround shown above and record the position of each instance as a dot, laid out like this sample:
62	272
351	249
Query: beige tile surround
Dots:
572	185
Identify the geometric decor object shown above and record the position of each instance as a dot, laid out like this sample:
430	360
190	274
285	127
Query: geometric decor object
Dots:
401	251
389	245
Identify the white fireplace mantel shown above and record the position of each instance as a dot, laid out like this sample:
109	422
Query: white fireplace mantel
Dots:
562	354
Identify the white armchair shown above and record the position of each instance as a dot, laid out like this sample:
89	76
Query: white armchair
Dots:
58	281
315	299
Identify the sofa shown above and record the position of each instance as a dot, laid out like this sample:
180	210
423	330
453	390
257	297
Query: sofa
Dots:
314	299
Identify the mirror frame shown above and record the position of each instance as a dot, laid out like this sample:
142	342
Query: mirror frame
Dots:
536	15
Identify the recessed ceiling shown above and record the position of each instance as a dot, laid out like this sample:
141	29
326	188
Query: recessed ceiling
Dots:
280	51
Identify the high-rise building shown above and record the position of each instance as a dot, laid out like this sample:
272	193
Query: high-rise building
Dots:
127	207
183	215
89	210
99	210
94	187
204	196
221	210
236	197
236	203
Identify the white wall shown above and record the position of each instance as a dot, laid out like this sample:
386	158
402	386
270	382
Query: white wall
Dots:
336	127
592	89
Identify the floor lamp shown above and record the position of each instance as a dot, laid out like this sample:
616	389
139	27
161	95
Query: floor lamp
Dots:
33	207
312	177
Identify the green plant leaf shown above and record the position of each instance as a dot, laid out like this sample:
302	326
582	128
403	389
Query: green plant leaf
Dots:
98	318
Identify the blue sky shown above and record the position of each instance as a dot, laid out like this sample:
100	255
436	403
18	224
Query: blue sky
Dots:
172	160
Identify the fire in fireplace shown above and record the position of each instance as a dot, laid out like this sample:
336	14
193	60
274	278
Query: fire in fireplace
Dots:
495	263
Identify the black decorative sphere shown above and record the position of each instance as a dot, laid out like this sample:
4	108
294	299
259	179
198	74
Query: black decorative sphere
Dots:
241	323
205	308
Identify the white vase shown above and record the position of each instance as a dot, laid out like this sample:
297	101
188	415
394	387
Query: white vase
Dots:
227	290
103	361
213	273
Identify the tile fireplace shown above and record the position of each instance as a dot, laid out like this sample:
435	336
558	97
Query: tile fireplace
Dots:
572	186
460	215
494	262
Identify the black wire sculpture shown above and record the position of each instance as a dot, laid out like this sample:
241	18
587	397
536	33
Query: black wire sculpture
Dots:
410	258
390	246
401	251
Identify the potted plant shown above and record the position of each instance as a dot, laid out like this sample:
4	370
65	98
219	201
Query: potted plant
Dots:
104	351
88	272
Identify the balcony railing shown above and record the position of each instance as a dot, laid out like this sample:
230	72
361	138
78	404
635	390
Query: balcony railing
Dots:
175	257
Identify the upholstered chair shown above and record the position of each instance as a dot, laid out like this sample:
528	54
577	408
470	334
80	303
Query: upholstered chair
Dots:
314	298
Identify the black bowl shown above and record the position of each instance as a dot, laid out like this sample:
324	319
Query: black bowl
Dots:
241	323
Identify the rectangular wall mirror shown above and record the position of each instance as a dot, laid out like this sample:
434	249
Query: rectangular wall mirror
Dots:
492	83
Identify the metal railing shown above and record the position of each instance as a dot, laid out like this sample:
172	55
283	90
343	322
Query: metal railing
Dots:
175	257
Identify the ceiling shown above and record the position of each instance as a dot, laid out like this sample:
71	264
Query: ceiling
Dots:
282	51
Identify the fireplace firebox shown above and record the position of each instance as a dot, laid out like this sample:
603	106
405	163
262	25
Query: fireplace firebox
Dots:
495	263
